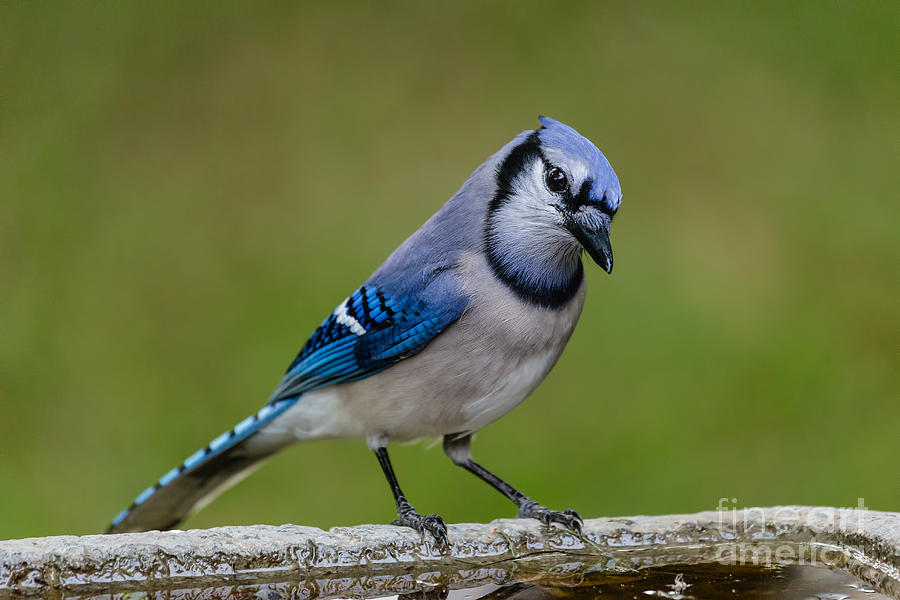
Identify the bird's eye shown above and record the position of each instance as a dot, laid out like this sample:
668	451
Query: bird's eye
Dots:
556	180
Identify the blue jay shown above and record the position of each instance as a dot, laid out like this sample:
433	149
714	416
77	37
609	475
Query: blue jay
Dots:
455	329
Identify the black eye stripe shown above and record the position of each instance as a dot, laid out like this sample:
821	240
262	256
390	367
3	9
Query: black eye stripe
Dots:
583	198
584	195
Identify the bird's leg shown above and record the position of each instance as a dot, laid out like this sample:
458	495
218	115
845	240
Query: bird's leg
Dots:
406	514
458	448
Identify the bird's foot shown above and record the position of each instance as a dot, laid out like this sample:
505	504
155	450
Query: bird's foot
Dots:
567	518
433	524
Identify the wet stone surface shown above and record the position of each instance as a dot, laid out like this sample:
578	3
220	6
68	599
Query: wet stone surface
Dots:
364	561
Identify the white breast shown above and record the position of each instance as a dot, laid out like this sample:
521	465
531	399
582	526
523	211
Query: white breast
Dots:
470	375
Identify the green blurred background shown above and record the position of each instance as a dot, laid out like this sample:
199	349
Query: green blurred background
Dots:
189	188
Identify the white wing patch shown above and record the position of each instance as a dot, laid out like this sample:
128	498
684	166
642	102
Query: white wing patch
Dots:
346	320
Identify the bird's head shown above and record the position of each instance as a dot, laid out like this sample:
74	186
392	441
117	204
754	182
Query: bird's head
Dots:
555	196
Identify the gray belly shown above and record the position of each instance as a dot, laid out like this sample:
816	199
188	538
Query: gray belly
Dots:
470	375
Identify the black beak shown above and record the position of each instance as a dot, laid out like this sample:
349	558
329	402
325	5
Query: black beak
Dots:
595	243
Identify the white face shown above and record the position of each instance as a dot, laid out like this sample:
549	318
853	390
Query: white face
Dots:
543	214
531	214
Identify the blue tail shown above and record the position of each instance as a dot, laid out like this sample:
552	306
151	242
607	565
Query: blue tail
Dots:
205	474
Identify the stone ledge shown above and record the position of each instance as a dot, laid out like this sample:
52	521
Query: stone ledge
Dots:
156	559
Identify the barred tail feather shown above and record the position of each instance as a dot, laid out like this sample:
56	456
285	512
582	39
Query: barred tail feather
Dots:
205	474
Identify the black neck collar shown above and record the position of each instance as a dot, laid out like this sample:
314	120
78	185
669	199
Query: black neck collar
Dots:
553	293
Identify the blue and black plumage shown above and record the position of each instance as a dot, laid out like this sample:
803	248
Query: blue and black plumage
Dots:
367	333
455	329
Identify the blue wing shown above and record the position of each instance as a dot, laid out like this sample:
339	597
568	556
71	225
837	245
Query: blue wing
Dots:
367	333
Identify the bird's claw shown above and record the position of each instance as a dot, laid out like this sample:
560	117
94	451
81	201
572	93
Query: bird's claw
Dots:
437	528
409	517
567	518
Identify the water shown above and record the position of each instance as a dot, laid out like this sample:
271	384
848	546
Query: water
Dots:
682	582
564	581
